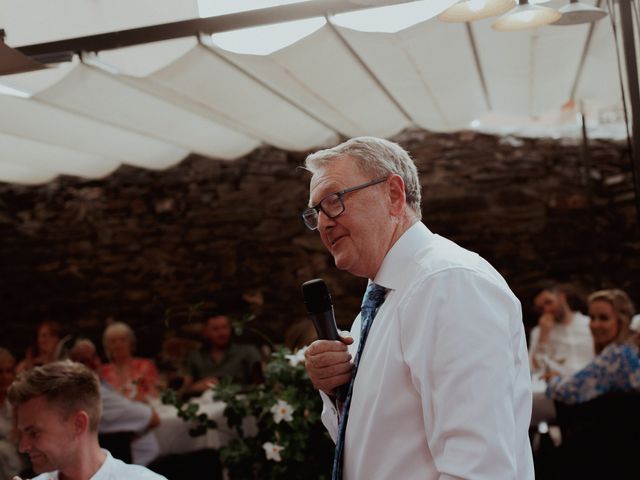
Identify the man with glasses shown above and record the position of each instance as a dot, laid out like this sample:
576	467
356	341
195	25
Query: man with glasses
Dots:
441	387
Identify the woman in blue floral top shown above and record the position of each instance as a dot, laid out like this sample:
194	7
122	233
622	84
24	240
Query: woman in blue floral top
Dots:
616	367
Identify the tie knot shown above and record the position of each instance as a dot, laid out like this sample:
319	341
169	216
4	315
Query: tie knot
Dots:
374	296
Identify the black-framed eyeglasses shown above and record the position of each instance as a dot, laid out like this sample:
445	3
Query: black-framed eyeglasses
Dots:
332	205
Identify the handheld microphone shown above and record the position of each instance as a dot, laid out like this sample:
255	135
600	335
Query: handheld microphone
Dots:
318	301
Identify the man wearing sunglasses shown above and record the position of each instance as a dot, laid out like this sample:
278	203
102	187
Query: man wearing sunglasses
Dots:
436	364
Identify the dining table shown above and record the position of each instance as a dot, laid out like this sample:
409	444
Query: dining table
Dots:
173	432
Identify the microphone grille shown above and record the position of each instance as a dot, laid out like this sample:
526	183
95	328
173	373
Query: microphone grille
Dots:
316	296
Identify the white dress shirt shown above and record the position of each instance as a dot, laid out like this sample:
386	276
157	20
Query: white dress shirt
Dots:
443	388
113	469
568	348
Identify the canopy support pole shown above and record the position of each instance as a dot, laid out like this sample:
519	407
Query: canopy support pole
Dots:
630	56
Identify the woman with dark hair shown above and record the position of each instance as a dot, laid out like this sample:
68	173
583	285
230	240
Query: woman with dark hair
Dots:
616	367
44	348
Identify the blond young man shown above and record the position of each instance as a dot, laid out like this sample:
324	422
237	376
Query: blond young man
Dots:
58	410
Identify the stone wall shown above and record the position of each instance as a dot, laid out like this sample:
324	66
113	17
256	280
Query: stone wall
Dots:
157	249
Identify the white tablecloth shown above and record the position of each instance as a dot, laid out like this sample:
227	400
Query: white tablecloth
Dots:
173	432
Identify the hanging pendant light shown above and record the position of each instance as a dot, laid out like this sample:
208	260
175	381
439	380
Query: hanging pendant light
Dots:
470	10
576	12
526	16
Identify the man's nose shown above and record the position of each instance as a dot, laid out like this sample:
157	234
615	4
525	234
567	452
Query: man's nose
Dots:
24	445
324	221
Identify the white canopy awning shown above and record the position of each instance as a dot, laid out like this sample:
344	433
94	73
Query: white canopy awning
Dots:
151	105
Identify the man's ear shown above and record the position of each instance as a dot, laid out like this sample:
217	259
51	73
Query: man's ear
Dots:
397	197
80	421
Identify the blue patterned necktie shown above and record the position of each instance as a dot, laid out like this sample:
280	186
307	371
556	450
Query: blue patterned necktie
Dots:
373	299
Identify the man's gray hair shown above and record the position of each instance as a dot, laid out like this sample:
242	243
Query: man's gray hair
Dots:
117	328
377	157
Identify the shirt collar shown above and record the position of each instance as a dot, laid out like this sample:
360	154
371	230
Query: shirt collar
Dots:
105	469
392	273
55	475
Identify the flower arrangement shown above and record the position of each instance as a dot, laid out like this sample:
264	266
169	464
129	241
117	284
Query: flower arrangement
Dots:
289	441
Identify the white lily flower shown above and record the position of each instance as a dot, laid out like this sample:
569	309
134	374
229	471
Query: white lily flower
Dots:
297	358
272	451
282	411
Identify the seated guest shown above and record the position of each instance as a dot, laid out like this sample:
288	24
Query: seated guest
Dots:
616	368
172	358
120	414
10	461
299	335
562	339
132	376
43	350
57	414
220	357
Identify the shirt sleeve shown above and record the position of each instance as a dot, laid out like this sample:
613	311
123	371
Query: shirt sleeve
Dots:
119	414
463	341
329	416
607	372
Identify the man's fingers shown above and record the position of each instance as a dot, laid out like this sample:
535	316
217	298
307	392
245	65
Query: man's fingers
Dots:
328	385
322	346
345	371
329	364
327	379
328	359
333	370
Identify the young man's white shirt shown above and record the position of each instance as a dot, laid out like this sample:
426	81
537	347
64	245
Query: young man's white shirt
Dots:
113	469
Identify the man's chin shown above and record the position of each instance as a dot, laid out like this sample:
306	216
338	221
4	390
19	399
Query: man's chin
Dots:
40	466
346	265
341	262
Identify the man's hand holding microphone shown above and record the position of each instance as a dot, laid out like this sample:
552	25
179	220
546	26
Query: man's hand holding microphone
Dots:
327	360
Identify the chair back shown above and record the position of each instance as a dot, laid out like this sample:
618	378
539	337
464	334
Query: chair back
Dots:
600	438
118	443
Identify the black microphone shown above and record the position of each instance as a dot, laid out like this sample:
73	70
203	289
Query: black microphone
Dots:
318	301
